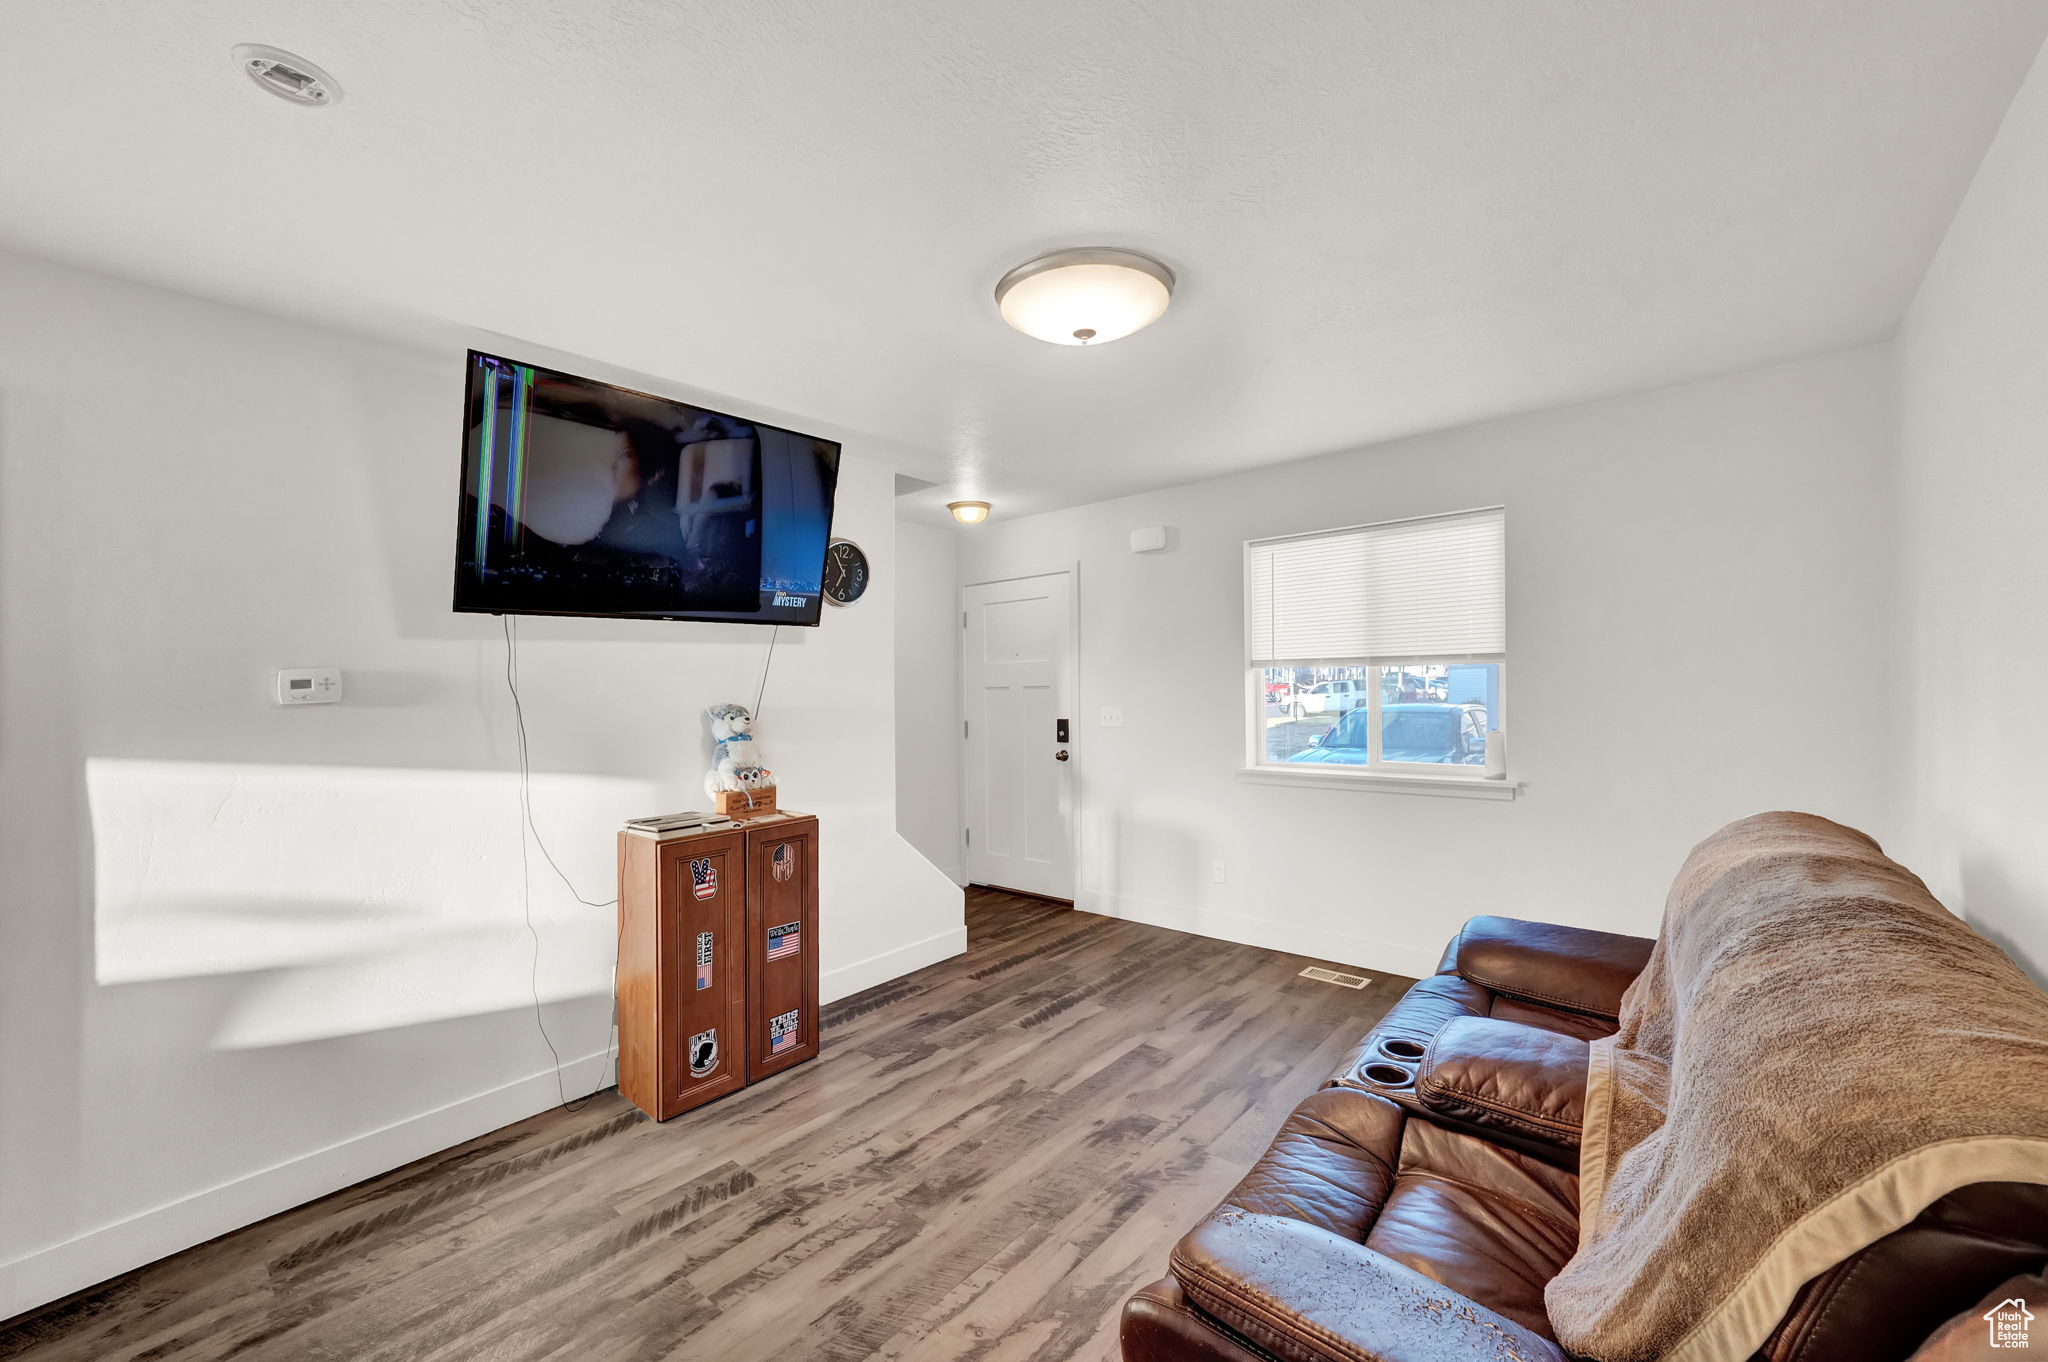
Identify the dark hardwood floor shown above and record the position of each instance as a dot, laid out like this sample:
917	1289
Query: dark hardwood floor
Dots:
986	1158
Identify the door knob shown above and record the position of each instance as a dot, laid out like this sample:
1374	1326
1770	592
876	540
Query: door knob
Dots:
1060	755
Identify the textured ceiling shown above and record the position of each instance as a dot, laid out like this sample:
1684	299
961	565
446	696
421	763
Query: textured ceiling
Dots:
1386	217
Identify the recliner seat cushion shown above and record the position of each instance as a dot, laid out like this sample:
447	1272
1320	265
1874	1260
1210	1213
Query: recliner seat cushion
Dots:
1486	1221
1331	1165
1577	1025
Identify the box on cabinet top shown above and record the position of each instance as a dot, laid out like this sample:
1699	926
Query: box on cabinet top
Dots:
716	829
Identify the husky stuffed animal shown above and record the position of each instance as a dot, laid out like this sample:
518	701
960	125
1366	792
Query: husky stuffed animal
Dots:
737	766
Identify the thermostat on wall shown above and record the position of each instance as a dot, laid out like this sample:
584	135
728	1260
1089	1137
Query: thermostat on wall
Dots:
309	686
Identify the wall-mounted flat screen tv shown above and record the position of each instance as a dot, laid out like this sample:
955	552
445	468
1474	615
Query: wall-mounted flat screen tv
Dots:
582	498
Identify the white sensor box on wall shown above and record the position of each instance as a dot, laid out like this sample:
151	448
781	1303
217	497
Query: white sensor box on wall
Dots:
1148	541
309	686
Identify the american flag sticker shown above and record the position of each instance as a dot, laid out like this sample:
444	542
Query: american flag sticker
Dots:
786	940
703	877
782	1032
703	961
782	861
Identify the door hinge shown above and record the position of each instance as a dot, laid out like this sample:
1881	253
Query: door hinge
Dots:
968	835
963	619
964	727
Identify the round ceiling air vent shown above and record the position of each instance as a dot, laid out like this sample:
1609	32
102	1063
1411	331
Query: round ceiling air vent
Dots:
291	78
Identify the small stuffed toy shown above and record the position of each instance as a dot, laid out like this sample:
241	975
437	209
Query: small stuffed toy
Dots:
737	766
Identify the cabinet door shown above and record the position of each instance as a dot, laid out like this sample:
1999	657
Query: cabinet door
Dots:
703	915
782	945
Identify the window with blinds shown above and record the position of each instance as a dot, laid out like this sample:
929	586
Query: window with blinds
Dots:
1379	645
1434	588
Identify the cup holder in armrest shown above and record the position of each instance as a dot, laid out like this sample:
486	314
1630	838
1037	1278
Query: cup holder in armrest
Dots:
1387	1075
1406	1050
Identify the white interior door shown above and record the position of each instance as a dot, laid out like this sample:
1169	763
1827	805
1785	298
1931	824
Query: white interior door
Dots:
1017	671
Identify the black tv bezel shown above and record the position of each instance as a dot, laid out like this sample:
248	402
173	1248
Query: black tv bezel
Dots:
462	488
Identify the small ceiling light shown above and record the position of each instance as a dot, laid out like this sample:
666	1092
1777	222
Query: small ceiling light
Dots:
1085	295
968	512
292	79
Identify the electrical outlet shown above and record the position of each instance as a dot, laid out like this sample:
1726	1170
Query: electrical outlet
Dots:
1112	716
1216	875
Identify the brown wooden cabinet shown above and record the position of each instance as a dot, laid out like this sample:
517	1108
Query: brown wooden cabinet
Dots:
718	960
782	937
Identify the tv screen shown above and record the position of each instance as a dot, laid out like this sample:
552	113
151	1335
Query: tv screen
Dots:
581	498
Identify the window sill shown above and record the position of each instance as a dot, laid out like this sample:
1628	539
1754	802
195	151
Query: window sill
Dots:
1455	787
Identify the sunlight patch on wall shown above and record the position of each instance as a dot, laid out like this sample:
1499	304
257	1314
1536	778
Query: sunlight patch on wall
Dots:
348	899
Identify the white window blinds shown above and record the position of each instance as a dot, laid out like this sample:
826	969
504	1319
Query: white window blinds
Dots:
1428	590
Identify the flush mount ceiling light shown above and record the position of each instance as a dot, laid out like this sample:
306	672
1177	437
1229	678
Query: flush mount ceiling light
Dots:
1085	295
291	78
968	512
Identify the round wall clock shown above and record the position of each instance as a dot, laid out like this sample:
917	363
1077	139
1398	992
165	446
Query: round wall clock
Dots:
846	572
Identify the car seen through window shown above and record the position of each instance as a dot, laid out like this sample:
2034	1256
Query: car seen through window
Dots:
1432	734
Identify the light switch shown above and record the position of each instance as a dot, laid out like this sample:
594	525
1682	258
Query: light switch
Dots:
309	686
1112	716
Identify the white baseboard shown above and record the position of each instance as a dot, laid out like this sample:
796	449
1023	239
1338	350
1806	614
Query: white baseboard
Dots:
1340	947
56	1271
847	980
59	1269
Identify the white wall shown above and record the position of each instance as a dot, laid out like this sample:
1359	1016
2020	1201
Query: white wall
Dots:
1698	629
250	955
1973	516
928	747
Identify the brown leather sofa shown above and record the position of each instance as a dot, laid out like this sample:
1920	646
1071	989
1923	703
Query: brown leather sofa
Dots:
1414	1208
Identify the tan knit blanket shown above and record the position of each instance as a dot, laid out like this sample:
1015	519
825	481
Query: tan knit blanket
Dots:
1816	1051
